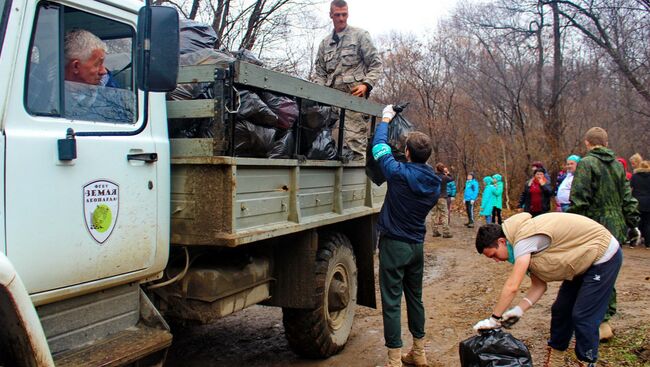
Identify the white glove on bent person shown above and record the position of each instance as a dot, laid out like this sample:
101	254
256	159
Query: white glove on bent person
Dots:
511	317
388	112
490	323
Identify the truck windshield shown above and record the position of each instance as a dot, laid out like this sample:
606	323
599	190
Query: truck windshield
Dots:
5	5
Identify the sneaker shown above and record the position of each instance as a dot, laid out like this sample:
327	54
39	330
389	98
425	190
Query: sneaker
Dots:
471	225
449	235
436	234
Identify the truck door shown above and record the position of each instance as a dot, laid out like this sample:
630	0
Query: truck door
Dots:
71	220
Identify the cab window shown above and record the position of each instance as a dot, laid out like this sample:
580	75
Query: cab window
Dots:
80	67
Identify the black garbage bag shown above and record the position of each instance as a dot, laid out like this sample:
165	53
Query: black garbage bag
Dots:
316	116
248	56
192	128
195	36
284	107
494	348
283	145
398	131
253	140
254	110
323	147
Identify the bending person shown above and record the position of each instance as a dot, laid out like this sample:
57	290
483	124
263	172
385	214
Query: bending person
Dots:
555	247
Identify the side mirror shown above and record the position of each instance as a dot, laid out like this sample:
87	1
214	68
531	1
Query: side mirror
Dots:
157	49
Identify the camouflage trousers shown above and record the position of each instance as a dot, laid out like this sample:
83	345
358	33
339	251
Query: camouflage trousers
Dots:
355	136
440	217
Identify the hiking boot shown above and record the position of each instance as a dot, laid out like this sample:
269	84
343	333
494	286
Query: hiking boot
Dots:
447	235
416	357
436	234
554	358
605	331
394	357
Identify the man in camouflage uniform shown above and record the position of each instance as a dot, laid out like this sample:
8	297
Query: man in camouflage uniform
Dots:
348	61
601	192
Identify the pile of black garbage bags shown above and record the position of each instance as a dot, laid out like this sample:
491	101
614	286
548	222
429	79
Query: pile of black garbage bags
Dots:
265	122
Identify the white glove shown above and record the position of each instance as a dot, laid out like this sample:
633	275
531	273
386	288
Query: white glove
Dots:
472	201
487	324
511	317
388	112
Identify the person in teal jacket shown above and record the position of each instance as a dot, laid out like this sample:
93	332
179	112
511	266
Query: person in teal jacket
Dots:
487	199
497	199
469	196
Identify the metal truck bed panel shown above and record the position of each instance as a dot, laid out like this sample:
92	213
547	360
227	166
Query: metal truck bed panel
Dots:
225	201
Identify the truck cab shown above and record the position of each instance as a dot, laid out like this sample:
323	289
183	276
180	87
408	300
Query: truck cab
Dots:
84	228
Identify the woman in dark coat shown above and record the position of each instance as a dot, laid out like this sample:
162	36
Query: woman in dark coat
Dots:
536	197
641	191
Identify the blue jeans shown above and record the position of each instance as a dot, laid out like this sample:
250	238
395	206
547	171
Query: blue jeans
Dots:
580	307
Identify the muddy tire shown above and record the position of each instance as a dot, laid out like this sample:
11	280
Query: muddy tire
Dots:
324	330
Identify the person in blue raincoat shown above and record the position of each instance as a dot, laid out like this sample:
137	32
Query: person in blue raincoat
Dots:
497	199
487	199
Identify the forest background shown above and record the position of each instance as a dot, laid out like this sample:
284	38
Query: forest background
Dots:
497	84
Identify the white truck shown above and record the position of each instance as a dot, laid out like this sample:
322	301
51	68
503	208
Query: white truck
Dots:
110	227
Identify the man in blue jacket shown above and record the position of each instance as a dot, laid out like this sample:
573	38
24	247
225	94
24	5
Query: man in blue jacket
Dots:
413	189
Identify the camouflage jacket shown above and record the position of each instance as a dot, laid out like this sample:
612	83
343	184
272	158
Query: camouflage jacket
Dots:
601	192
349	62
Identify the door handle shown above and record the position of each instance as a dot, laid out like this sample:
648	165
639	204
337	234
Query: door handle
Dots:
144	157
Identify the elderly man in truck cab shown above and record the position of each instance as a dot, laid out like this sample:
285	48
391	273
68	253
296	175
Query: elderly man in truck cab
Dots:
347	60
570	248
86	78
84	57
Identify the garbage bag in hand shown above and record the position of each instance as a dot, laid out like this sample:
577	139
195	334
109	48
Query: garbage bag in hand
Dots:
195	36
494	348
284	107
398	131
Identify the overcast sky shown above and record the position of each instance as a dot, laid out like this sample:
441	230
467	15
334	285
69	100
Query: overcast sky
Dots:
381	16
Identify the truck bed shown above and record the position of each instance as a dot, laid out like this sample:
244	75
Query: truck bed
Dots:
218	199
230	201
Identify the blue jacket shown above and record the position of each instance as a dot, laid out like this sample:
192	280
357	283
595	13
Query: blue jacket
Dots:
471	190
413	189
487	200
498	192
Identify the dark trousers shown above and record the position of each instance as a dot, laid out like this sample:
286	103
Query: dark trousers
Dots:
580	306
496	213
401	266
469	208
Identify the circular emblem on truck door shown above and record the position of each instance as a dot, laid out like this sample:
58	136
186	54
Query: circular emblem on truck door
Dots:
101	206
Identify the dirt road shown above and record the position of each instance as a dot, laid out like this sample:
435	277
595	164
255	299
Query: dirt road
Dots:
460	289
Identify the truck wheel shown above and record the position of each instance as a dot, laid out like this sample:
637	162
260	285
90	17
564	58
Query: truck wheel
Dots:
324	330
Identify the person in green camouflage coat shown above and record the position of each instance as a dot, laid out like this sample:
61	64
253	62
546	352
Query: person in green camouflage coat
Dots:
601	192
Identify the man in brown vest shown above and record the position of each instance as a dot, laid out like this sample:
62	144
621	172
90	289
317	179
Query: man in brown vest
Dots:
555	247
